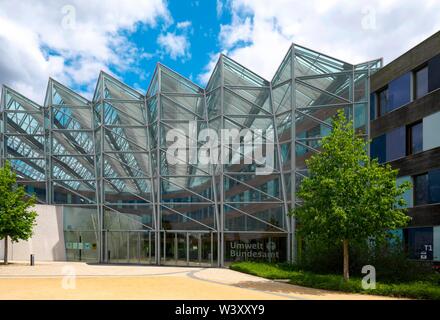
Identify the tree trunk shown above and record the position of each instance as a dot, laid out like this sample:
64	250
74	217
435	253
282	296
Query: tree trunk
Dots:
346	261
6	250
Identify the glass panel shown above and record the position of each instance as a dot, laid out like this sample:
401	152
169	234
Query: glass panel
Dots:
187	216
421	82
434	186
208	249
257	216
284	72
173	82
267	247
134	240
408	195
88	246
36	188
433	72
395	144
282	98
436	243
80	218
237	75
181	249
216	78
360	117
378	149
399	92
382	99
421	194
147	247
431	136
168	248
117	246
416	132
419	243
125	217
194	248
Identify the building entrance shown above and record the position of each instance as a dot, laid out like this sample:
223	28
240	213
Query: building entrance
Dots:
188	248
130	247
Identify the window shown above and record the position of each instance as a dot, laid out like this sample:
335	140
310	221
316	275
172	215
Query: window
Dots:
395	144
419	243
382	102
421	195
377	150
427	188
399	92
434	186
312	134
421	82
433	73
414	138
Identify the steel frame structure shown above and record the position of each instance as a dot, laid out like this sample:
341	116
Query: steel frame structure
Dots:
108	155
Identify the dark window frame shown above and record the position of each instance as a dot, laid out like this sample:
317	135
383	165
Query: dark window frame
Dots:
414	86
414	177
409	137
379	105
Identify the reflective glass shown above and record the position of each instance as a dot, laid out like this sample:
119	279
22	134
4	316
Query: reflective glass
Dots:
109	156
416	138
399	92
433	72
395	144
383	102
421	189
378	148
434	186
421	82
419	243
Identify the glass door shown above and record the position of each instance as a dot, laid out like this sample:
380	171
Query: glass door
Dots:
147	247
194	248
187	248
169	248
181	245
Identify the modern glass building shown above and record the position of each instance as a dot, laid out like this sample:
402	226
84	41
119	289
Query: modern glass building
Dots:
105	161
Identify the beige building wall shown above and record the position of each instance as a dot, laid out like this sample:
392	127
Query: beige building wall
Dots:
47	243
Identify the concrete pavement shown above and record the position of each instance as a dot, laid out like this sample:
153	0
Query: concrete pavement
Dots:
78	280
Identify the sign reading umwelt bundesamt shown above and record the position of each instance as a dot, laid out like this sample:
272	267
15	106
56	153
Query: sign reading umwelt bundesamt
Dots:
257	250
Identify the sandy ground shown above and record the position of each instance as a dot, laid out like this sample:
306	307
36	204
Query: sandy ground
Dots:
77	280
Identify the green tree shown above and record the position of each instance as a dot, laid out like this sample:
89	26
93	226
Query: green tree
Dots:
16	217
347	196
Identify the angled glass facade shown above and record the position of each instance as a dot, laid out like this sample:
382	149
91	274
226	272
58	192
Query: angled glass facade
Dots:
106	161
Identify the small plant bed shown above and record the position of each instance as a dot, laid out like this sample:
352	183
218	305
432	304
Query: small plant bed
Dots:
424	289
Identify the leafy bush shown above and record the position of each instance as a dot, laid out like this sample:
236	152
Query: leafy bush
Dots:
388	258
428	289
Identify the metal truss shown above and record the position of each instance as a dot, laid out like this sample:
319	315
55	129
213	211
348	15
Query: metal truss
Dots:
110	153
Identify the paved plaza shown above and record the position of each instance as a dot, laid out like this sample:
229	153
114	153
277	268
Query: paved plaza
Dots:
77	280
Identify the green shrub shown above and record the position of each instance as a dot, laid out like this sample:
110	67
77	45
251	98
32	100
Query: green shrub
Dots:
428	289
388	258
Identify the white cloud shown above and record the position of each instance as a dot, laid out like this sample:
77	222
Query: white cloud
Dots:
183	24
176	46
260	32
219	8
203	77
239	31
41	39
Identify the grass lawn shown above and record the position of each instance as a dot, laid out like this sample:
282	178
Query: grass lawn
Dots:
427	289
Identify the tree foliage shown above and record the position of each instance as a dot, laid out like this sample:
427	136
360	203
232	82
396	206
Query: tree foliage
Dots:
347	196
16	217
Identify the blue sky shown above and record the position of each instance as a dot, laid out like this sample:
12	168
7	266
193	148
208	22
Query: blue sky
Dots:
201	26
72	40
